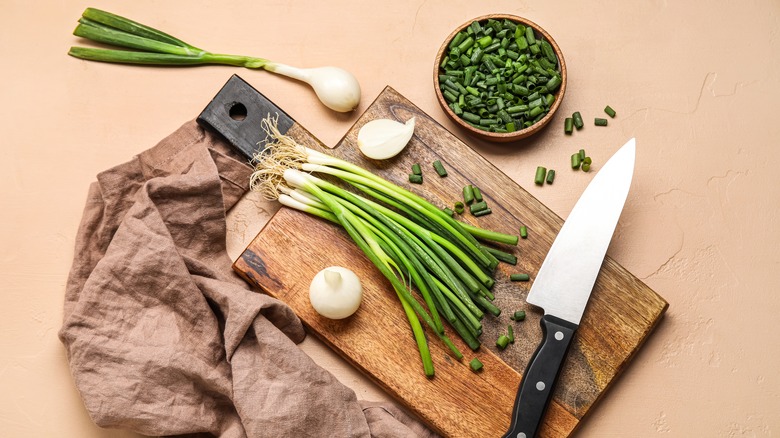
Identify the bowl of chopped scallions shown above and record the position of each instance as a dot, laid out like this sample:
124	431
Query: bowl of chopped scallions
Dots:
500	77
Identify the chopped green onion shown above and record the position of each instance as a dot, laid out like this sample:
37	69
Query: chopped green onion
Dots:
468	194
416	169
518	315
415	179
439	168
550	176
477	193
475	365
448	211
541	172
578	123
502	256
608	109
483	212
582	154
519	277
568	125
600	122
495	63
586	167
478	206
459	207
524	232
502	342
576	161
510	333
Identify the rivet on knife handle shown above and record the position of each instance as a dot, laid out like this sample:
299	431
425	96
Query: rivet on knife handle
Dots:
237	111
540	376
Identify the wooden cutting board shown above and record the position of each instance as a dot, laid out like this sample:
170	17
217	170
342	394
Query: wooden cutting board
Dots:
377	340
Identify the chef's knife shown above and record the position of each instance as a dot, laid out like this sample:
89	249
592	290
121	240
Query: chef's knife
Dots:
564	283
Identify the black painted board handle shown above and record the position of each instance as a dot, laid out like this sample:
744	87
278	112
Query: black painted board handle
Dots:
539	379
236	112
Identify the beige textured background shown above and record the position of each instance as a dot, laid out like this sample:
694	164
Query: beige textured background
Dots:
696	82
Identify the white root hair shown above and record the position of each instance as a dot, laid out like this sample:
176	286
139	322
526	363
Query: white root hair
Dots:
281	152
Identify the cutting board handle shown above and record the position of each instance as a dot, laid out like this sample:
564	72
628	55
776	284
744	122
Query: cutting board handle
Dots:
236	112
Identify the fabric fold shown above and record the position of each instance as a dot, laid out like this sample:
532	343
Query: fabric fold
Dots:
163	338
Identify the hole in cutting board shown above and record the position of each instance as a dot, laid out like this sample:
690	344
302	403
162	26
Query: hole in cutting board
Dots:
237	111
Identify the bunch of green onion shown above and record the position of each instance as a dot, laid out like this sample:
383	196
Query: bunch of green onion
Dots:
410	240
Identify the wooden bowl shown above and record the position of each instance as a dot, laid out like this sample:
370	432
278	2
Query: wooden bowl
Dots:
496	136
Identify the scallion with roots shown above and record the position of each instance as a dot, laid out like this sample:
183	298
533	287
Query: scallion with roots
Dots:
336	88
415	245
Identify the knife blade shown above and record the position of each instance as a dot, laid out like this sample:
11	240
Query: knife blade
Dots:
565	281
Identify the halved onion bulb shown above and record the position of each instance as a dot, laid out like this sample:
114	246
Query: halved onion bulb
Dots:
381	139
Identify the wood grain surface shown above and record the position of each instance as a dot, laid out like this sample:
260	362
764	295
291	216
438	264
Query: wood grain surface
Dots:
293	247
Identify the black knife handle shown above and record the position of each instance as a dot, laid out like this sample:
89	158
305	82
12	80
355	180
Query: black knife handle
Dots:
537	385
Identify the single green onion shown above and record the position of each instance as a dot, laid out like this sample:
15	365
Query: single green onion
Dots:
541	172
502	342
550	176
415	179
600	122
519	277
610	112
524	232
153	47
416	169
578	123
475	365
468	194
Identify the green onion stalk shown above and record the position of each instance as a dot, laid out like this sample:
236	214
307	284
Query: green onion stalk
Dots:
415	245
336	88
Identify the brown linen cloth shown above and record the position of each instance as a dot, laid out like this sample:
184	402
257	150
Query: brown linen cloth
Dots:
163	338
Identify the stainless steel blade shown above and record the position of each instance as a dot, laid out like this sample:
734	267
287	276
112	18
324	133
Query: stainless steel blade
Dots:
565	280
